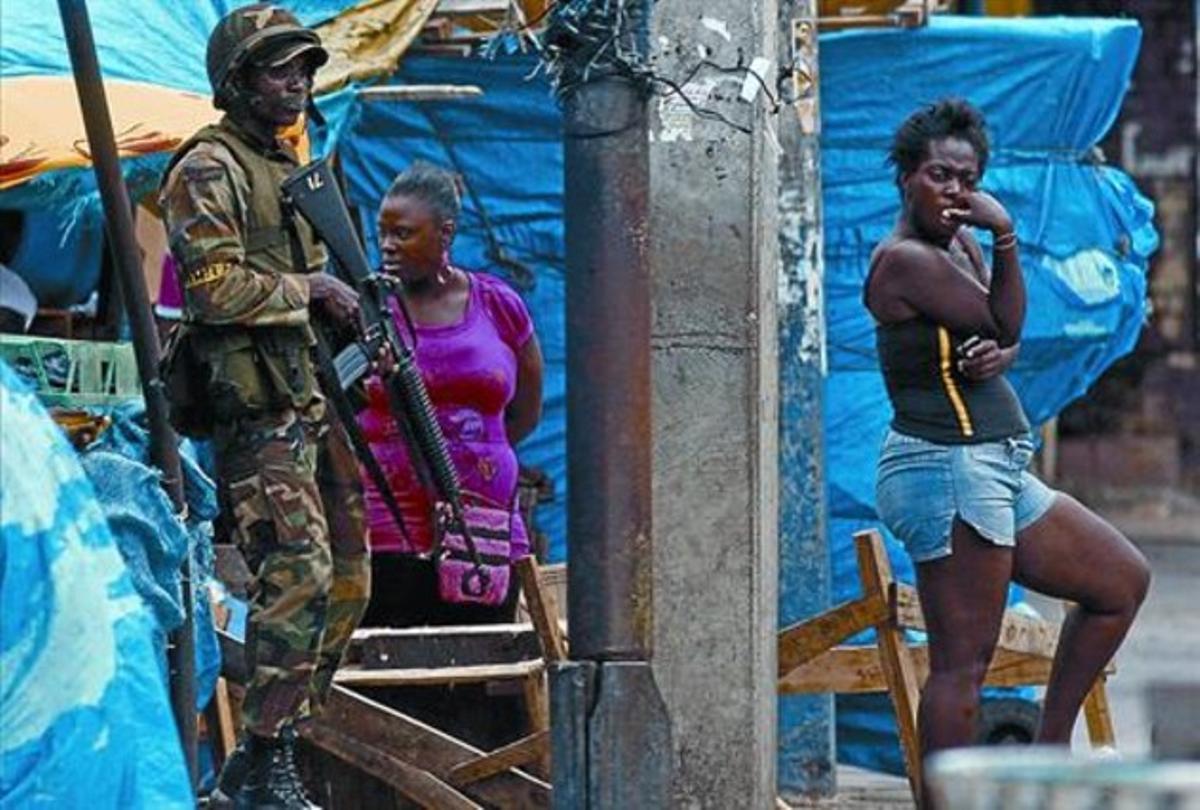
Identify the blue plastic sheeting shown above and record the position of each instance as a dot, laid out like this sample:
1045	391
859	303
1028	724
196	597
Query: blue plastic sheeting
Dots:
34	44
1050	89
83	697
61	264
150	536
507	145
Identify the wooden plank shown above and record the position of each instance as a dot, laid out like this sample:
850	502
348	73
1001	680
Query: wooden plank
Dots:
1018	633
907	604
542	610
418	92
412	741
857	670
451	646
875	572
1099	718
842	670
436	676
467	8
524	750
806	640
416	783
225	726
537	708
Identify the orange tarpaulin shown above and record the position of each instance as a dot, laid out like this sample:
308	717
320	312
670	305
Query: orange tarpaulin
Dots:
41	127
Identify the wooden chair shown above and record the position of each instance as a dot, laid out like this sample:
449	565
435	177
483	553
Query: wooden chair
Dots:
811	658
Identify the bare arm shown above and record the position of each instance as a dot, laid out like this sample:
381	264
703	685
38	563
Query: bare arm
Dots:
525	410
986	359
914	277
202	213
1006	287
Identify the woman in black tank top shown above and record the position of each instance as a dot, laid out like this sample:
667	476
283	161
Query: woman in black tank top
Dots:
948	326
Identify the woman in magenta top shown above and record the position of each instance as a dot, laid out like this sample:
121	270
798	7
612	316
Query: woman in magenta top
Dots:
479	357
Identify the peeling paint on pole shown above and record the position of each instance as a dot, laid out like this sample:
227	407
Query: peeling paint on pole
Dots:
806	761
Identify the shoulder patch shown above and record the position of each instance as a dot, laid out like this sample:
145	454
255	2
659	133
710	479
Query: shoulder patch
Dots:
201	173
206	274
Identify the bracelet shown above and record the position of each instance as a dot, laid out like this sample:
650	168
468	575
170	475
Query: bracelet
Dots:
1005	241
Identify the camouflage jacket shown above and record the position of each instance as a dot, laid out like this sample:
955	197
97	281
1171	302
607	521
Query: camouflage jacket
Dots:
232	269
246	294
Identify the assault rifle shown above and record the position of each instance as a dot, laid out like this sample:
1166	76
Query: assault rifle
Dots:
313	192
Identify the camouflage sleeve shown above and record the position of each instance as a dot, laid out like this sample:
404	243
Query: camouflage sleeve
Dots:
202	211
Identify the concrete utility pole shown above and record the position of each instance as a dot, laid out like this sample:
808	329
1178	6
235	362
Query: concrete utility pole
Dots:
806	728
611	734
713	221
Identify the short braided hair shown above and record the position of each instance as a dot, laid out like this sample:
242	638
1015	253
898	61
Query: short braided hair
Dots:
436	187
948	118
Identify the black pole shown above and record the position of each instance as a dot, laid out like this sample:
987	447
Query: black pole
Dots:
164	450
611	732
608	370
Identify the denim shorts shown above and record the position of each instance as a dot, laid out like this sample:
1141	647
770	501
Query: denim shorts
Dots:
922	485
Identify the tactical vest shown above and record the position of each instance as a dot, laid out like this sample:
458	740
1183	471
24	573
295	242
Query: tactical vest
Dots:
253	370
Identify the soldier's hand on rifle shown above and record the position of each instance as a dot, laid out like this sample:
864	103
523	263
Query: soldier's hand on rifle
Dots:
385	362
337	297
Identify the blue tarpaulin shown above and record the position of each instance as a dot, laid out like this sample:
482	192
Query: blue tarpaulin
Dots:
1050	89
84	708
173	56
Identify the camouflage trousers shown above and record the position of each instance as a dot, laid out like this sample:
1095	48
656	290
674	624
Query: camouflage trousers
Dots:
293	501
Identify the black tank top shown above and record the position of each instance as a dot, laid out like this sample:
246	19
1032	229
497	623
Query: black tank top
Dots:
932	400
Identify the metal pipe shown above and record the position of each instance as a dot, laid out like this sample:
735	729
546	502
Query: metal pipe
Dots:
606	155
164	450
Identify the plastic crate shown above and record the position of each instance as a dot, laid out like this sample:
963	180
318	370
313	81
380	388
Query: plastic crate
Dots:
74	373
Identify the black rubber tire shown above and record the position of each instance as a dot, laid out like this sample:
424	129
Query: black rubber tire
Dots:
1008	721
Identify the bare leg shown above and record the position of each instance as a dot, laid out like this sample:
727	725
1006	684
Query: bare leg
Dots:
1072	553
963	598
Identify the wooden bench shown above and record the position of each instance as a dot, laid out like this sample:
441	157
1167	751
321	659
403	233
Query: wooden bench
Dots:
812	658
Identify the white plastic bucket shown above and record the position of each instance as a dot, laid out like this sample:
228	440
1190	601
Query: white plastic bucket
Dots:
1050	778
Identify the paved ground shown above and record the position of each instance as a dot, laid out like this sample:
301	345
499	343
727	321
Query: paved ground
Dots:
1163	646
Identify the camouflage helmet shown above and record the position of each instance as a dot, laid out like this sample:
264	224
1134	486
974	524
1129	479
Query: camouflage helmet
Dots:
252	33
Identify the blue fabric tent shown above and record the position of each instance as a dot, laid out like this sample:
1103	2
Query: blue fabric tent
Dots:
84	708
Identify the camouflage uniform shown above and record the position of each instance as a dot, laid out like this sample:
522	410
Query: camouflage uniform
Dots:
289	482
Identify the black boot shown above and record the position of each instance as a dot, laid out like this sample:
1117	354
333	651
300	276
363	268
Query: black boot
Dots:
232	778
273	781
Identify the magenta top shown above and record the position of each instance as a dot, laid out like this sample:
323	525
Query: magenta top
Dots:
470	369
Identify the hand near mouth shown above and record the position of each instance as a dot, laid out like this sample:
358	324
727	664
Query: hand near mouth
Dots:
982	210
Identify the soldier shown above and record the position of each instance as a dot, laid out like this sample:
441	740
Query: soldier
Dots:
252	277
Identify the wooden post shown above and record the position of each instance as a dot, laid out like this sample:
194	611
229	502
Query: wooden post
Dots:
894	655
